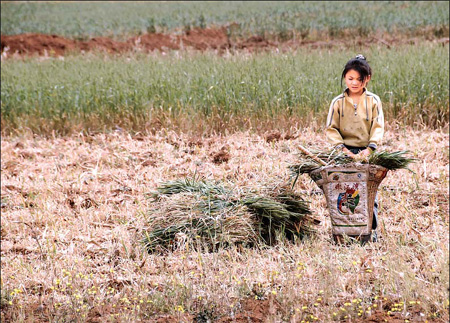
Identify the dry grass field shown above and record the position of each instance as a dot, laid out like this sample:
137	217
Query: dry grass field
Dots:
74	209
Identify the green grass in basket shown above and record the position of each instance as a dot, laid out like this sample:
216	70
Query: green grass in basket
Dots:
389	160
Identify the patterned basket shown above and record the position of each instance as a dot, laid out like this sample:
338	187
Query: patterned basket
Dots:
350	191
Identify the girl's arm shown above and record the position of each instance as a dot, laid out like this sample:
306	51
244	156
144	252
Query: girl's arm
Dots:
377	129
349	153
332	128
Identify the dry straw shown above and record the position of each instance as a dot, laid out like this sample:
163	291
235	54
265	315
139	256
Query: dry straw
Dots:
205	215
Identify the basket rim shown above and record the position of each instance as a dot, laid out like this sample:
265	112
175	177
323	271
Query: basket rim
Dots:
355	165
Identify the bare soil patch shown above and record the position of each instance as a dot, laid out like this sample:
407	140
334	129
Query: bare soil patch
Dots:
196	39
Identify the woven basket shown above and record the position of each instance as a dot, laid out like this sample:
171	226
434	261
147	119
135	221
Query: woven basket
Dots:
350	191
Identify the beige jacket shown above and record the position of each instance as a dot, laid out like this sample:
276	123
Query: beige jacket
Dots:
360	126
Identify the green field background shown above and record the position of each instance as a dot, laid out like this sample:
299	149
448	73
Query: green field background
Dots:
93	93
121	19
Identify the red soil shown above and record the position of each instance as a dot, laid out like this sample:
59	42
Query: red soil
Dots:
154	41
197	39
37	44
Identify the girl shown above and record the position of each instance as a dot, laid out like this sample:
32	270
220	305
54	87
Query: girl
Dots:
355	120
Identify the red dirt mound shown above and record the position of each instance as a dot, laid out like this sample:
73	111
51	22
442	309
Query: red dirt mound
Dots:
199	39
255	42
37	44
203	39
154	41
104	44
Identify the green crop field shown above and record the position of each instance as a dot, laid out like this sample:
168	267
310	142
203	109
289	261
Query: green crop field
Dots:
117	19
94	92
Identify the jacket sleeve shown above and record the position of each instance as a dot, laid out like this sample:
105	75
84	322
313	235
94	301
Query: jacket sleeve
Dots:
377	129
332	128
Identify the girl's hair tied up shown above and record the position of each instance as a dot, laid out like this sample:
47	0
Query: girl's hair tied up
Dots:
359	56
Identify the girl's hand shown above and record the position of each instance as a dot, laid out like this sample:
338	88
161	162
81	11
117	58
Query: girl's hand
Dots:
364	154
349	153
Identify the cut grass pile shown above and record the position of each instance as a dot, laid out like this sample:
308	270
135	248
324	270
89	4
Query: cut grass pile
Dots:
192	213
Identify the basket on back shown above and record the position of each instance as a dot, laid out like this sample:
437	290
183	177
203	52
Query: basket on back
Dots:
350	191
350	187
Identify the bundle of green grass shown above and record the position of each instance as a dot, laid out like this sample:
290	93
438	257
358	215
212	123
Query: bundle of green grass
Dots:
197	214
389	160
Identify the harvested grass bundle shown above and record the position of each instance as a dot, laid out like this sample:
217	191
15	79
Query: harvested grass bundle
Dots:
203	214
189	185
392	161
389	160
285	213
186	218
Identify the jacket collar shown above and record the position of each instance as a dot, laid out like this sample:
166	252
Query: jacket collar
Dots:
364	95
346	92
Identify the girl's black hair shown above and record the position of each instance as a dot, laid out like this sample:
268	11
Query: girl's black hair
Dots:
359	64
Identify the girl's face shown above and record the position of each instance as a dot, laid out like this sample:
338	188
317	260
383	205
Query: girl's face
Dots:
354	82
